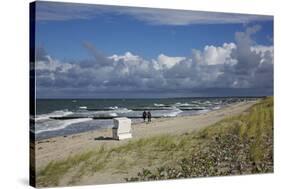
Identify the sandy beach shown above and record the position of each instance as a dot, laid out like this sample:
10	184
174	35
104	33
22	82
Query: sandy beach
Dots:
58	148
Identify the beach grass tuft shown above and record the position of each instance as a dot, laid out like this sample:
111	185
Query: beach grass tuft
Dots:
51	174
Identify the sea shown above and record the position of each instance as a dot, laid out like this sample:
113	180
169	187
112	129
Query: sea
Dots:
61	117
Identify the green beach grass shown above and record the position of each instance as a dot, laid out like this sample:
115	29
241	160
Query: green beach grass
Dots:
236	145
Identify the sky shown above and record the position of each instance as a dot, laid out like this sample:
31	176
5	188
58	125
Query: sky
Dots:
94	51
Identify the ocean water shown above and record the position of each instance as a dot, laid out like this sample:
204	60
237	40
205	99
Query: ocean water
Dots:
53	115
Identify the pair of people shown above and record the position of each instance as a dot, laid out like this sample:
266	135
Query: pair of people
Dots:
146	115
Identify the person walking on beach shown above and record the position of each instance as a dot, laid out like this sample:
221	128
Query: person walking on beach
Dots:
144	116
149	116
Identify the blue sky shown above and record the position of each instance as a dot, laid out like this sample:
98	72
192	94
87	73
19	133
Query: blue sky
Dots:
63	29
118	33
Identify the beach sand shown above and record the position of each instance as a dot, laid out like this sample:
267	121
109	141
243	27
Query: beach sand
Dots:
58	148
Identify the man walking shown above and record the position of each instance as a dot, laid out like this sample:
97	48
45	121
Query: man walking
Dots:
149	116
144	116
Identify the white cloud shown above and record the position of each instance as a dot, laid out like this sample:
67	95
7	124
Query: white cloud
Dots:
266	53
167	61
262	49
128	57
212	55
240	65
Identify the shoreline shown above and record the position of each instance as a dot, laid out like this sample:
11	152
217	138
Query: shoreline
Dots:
61	147
97	129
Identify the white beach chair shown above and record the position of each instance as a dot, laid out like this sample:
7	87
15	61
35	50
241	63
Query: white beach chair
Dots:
122	128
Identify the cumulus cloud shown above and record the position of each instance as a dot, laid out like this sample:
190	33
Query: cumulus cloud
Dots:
240	68
164	61
254	67
212	55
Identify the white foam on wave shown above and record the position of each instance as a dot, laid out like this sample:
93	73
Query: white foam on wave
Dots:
54	125
169	113
113	114
113	107
58	113
123	110
158	105
83	107
179	104
174	113
216	107
104	113
206	103
117	110
202	111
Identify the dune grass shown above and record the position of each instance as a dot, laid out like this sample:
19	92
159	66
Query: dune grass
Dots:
237	145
